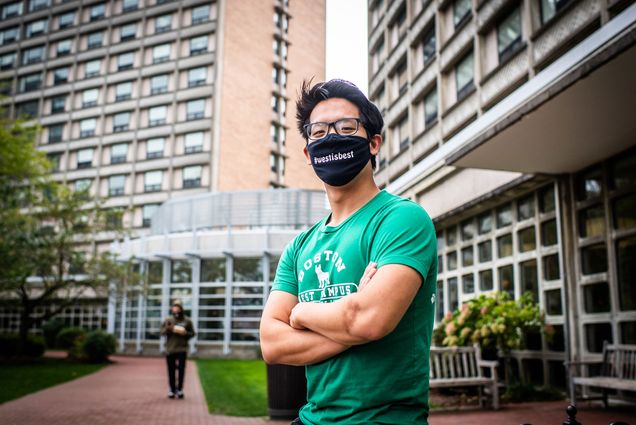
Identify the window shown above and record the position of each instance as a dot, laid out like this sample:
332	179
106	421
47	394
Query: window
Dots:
181	271
509	35
147	212
159	84
468	258
430	108
64	47
626	272
506	280
95	40
192	176
7	61
28	110
213	270
485	251
118	153
89	98
551	269
163	23
195	109
428	46
60	76
87	127
193	142
402	79
129	5
526	238
200	14
624	212
125	61
549	8
157	115
397	29
461	11
504	216
464	76
12	9
92	68
58	104
198	45
66	20
548	233
154	148
55	133
592	221
37	5
401	138
116	185
121	122
248	270
152	181
197	76
85	158
377	57
54	159
161	53
504	246
97	12
123	91
9	35
594	259
127	32
36	28
33	55
467	230
30	82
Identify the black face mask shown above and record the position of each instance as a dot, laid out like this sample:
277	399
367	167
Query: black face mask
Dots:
338	159
178	315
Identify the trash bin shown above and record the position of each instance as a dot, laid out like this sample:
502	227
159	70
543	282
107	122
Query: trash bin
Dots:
286	390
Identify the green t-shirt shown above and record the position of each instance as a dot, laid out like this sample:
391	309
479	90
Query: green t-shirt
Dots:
383	381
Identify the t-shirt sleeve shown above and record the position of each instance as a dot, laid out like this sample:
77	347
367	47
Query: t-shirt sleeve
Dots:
286	279
406	236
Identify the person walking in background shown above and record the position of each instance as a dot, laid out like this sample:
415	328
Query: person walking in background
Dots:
178	329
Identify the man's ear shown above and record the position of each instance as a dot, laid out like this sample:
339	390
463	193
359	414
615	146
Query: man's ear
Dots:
307	155
375	144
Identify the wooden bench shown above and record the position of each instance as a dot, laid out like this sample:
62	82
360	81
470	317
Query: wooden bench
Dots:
618	372
463	367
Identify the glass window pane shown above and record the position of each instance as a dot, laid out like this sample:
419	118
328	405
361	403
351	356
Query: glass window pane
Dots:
248	270
596	298
594	259
155	272
529	279
589	184
468	230
461	8
509	31
504	216
549	233
485	251
213	270
624	210
504	246
527	241
626	270
451	260
453	294
551	267
464	73
553	305
596	334
506	280
153	178
623	171
451	236
484	223
485	280
525	208
628	332
546	199
592	221
557	343
467	256
439	301
181	271
468	284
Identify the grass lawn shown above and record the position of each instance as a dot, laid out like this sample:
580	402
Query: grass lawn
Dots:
234	387
22	378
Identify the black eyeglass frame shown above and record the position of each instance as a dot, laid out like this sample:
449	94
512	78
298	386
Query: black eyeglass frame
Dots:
307	126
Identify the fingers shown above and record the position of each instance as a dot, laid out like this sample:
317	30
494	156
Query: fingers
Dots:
367	275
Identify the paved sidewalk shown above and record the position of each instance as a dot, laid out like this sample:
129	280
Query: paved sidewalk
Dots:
133	390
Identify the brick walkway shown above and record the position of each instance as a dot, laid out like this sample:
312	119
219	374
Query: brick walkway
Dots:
133	391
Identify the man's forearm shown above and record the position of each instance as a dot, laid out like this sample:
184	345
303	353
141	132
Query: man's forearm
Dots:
280	343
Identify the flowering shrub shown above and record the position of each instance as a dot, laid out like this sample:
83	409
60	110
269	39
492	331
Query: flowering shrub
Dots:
493	321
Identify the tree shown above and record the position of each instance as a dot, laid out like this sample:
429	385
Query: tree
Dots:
47	248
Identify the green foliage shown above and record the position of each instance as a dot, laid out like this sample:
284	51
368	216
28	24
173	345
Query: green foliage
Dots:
10	346
22	378
97	346
523	393
234	387
68	338
494	321
50	330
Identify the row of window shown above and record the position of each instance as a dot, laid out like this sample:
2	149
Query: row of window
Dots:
153	55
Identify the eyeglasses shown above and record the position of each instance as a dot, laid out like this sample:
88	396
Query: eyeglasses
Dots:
343	127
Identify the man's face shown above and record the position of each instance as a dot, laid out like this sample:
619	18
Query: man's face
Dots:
176	310
333	109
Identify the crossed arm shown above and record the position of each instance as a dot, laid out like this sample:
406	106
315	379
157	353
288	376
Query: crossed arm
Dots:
305	333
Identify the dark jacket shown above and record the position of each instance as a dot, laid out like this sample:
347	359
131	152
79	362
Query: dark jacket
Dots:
176	343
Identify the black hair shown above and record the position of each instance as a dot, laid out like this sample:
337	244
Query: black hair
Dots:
309	97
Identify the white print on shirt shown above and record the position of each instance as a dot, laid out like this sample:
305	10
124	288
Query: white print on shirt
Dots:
326	290
323	277
328	255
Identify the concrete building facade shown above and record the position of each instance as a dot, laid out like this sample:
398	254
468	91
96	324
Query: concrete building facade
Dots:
511	123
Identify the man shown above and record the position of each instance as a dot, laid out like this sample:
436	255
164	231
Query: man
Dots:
353	298
178	330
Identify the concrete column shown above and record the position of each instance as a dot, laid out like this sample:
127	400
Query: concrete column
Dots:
112	308
227	319
196	281
141	309
165	297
